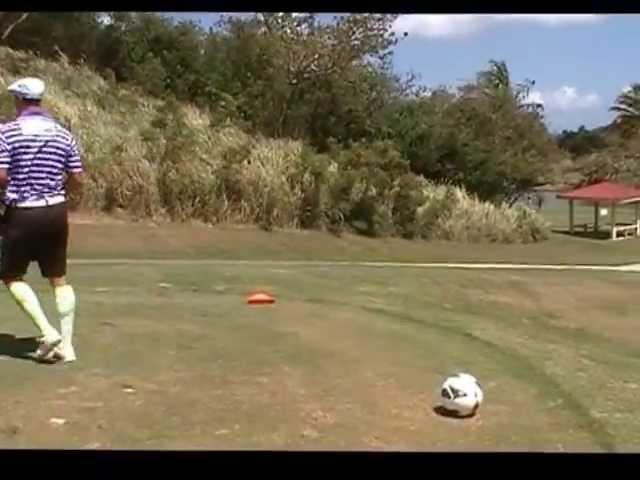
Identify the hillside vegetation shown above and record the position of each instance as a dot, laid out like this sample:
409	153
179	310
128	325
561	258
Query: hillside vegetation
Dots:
283	132
158	159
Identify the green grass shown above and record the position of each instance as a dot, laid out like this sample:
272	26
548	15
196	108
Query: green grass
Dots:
348	358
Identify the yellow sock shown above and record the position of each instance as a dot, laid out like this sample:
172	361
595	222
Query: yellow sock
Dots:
27	299
66	304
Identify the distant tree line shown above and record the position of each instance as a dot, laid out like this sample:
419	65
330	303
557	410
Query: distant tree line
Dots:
330	84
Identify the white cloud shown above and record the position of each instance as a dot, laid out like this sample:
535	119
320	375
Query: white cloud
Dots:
535	97
566	98
440	26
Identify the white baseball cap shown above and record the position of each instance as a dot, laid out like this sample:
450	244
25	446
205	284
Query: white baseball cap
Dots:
28	88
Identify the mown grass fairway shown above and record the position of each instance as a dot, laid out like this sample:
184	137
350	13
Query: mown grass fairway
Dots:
348	358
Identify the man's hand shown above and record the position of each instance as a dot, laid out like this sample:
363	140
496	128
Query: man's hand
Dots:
75	181
74	187
4	178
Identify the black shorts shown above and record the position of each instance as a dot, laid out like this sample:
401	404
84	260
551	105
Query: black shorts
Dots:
35	234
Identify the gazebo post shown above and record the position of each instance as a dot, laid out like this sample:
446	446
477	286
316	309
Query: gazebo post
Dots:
571	217
596	217
613	221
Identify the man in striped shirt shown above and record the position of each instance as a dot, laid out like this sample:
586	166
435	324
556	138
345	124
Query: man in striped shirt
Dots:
39	159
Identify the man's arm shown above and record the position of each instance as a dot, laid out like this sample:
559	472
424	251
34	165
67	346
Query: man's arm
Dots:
4	179
75	173
5	161
75	187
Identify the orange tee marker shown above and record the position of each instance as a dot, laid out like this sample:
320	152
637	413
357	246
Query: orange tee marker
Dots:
260	298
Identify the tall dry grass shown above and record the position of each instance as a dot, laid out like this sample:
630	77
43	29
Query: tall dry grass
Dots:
450	213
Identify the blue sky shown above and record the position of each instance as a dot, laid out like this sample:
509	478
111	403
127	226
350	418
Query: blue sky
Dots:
580	62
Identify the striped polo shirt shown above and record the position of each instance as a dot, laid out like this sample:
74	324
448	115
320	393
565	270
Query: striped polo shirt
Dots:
37	152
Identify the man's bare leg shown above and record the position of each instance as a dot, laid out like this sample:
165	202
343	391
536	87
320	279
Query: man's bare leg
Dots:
28	301
66	305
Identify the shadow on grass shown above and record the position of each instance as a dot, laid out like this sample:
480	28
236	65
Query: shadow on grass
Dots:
443	412
20	348
589	235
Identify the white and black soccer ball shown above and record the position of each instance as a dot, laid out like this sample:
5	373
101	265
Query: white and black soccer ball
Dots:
461	395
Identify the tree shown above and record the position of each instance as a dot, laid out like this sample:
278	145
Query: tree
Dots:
495	79
156	53
111	52
73	33
581	142
482	142
495	82
295	76
627	109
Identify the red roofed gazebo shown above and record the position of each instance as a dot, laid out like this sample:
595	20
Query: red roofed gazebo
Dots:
609	194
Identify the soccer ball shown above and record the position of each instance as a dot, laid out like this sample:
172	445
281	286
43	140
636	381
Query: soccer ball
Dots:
461	395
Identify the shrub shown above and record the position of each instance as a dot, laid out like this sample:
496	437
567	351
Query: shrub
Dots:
449	213
408	196
360	187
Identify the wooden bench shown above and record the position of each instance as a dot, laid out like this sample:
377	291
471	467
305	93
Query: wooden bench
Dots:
626	231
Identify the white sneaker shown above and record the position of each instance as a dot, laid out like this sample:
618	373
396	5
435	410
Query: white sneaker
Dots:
62	353
46	347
